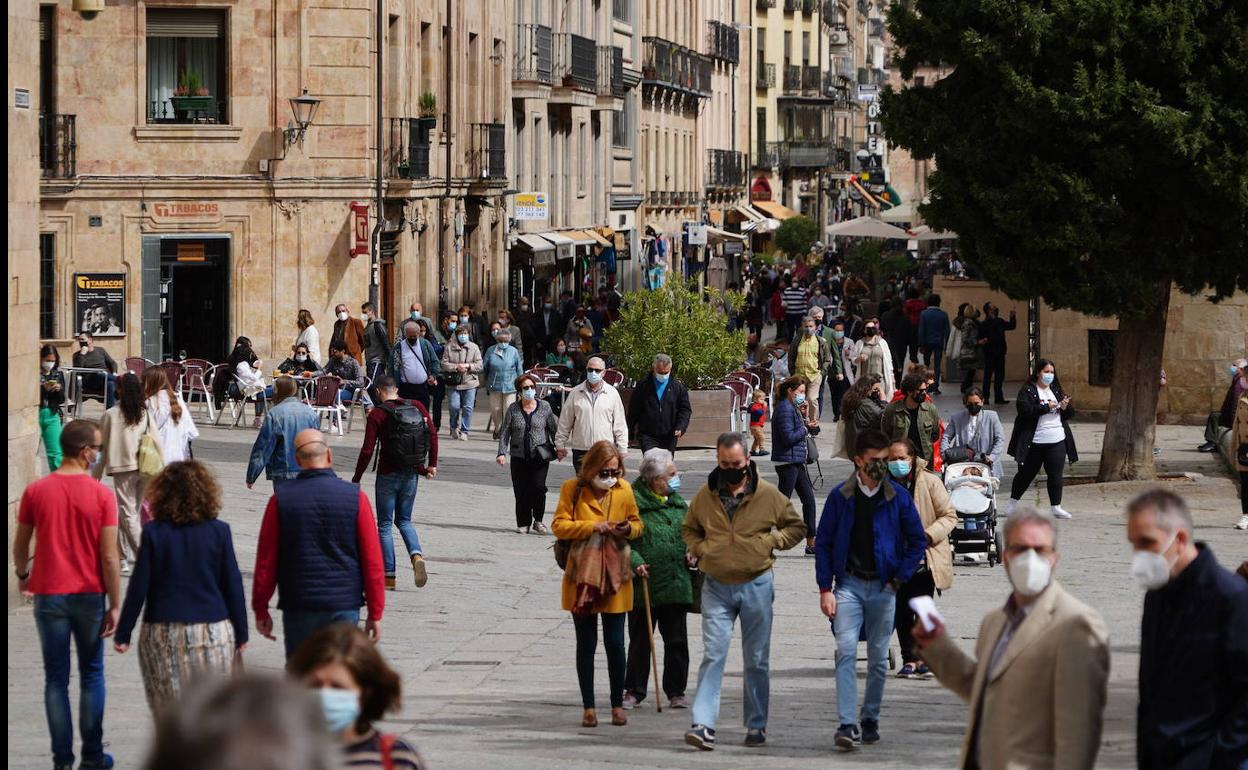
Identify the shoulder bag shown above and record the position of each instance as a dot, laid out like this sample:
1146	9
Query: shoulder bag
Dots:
151	462
453	378
563	546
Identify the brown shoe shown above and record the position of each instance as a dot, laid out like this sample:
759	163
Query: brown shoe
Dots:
390	584
589	718
418	567
618	717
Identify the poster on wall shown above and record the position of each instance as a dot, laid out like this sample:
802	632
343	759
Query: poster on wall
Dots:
100	303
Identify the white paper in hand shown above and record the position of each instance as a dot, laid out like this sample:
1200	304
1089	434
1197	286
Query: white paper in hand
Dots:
925	608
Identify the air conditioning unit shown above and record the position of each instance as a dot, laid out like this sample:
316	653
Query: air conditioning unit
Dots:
839	37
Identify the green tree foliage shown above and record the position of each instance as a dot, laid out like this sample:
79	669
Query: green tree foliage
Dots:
868	259
1090	152
675	320
796	235
1086	150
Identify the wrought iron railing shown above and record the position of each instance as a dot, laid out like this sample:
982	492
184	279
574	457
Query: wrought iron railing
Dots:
725	169
765	76
611	71
575	62
668	64
792	5
487	153
792	78
806	154
190	109
767	155
763	5
723	42
811	78
534	55
58	146
407	151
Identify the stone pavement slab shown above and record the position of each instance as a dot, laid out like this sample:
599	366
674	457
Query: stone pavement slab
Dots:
486	654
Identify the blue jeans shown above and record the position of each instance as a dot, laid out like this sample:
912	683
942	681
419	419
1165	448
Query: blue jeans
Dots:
58	618
863	608
396	493
722	604
298	625
462	402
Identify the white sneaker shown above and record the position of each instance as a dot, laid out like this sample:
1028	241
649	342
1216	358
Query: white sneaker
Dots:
1010	505
1059	512
463	436
127	568
1243	522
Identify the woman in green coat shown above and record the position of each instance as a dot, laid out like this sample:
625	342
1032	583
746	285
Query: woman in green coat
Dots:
659	558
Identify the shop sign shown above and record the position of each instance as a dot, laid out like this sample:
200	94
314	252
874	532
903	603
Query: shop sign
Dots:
532	206
100	303
760	190
867	92
359	229
191	251
623	245
733	247
697	235
187	210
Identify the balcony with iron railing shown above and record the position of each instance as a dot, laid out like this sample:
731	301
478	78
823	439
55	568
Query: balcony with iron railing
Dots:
611	71
792	79
407	150
808	6
762	5
765	75
187	109
534	54
487	152
725	169
58	146
723	42
806	154
767	155
668	65
575	62
792	6
812	78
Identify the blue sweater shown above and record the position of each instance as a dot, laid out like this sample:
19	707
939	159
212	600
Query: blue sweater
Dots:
185	574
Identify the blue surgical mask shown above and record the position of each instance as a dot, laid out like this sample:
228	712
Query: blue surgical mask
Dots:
529	394
593	377
899	468
799	399
463	338
340	707
1233	370
463	319
415	315
450	325
838	335
660	378
1047	378
502	344
673	484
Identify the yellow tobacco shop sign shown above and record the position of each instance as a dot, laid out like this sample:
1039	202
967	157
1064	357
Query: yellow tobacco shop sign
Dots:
97	284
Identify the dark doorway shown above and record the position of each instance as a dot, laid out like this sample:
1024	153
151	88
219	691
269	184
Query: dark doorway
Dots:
194	297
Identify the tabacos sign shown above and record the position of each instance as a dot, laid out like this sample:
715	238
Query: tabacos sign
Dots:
187	210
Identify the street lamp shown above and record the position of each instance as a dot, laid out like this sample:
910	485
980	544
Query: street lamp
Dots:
304	108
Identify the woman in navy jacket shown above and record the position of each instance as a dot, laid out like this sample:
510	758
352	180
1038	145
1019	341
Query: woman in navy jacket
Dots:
789	429
187	576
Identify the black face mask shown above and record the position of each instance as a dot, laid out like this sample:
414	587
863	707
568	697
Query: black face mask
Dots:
974	408
870	332
732	476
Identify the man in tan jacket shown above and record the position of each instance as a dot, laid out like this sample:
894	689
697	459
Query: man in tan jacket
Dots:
733	528
1037	684
592	412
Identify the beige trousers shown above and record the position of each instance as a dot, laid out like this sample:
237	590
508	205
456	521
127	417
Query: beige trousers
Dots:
128	488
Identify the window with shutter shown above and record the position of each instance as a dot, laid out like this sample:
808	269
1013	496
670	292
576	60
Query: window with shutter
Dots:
187	57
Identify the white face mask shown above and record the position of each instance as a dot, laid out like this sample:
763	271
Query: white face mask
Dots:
301	358
1151	569
1029	572
602	483
47	365
343	316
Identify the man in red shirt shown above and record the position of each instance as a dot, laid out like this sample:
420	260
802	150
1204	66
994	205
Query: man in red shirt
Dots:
318	547
913	307
409	450
75	518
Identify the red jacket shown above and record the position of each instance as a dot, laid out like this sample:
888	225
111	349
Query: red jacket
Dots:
912	308
377	428
268	552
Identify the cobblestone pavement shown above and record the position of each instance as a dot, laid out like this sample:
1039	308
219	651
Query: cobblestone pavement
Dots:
486	654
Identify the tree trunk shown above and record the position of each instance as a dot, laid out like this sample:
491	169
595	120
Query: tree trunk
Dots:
1132	424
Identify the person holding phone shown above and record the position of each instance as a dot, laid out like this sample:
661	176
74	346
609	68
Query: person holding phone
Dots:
1042	437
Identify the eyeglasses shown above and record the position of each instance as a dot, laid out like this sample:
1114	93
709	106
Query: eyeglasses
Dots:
609	473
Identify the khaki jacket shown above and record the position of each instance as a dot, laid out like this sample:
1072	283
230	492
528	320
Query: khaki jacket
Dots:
740	549
939	518
1042	706
585	421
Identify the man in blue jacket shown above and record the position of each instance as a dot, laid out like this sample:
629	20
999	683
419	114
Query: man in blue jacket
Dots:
869	542
932	335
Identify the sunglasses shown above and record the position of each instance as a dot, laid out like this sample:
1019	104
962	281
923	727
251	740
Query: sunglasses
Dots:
600	371
607	473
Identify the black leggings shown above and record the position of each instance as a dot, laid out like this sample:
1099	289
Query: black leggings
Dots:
587	647
1243	491
1053	458
528	482
794	476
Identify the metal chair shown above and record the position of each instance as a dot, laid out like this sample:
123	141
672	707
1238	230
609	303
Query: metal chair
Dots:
246	394
741	393
173	371
136	365
359	399
750	377
197	383
613	377
327	401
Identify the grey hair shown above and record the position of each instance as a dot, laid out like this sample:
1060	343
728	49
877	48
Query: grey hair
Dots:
729	440
1026	514
654	463
662	359
502	332
408	322
1170	511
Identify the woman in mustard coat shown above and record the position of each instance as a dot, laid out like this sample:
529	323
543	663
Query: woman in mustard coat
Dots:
601	502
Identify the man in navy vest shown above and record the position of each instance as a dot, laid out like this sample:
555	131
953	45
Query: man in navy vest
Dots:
318	546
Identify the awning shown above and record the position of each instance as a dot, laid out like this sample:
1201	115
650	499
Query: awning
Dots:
716	216
767	225
536	243
580	237
904	212
748	214
564	246
715	235
925	233
867	227
774	210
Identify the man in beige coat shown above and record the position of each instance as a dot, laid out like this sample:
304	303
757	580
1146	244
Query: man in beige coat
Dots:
592	412
1037	683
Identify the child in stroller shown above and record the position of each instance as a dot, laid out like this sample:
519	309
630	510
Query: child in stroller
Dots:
972	490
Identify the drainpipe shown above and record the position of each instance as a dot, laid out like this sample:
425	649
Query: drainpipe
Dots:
374	266
447	64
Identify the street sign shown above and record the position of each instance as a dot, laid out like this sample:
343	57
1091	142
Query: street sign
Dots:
532	206
867	92
697	235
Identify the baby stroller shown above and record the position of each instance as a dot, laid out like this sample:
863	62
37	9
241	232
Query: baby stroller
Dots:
973	491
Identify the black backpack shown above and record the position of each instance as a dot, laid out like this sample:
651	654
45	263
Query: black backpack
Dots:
409	436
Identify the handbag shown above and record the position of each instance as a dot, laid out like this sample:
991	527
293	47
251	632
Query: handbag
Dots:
812	450
562	546
151	461
545	452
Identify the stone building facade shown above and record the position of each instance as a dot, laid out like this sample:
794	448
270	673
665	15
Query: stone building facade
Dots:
173	163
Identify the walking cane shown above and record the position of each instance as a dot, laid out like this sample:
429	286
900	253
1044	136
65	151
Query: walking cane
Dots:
654	658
